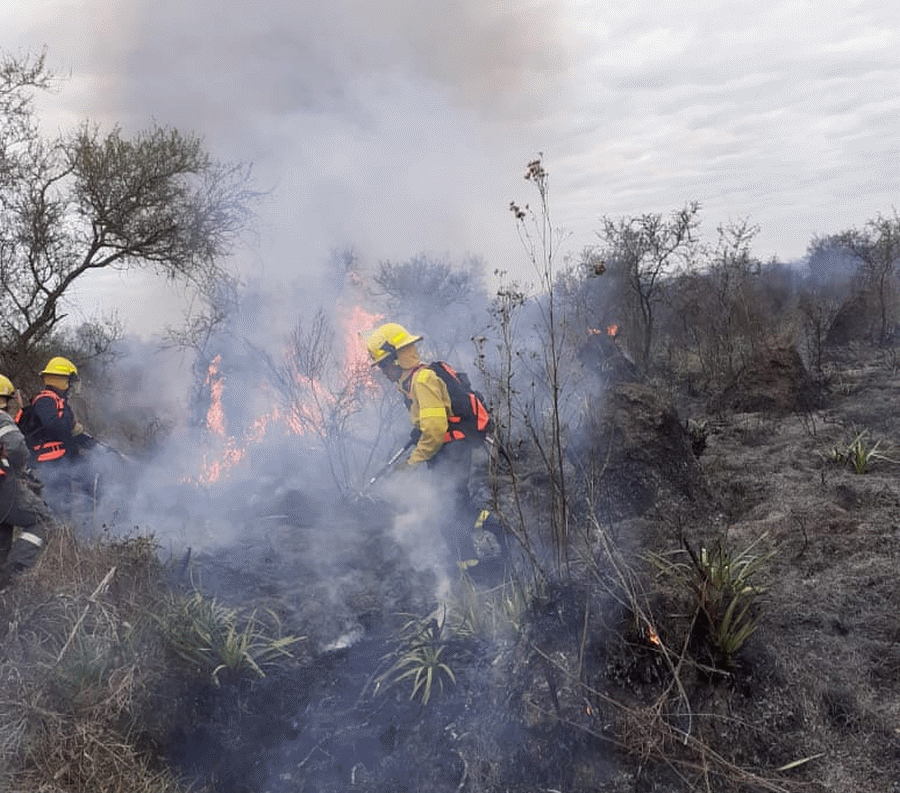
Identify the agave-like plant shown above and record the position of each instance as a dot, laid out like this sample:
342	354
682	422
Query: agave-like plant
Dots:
490	614
719	581
417	658
859	454
215	639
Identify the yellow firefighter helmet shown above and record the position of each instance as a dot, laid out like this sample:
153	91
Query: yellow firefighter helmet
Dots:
61	366
7	389
386	340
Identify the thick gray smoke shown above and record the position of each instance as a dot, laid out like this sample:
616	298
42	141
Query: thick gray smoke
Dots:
244	448
236	66
389	128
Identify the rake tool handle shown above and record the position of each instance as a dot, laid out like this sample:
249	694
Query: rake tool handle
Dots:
390	463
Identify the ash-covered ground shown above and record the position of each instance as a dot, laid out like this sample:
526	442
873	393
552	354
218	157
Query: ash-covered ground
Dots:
572	693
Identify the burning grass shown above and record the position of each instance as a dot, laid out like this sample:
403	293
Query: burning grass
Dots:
590	683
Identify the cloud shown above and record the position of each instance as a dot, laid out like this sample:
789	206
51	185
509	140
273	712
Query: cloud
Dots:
774	111
400	127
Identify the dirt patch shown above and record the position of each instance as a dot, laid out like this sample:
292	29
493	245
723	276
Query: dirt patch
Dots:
831	598
774	381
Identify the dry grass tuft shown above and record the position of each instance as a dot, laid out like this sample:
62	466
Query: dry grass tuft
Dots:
80	665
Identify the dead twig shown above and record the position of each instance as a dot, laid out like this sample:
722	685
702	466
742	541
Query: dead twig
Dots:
101	587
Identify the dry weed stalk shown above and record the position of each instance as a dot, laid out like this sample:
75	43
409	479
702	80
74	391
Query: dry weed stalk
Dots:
648	733
79	668
662	732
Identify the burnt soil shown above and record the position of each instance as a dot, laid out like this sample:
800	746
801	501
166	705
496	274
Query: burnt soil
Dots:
577	698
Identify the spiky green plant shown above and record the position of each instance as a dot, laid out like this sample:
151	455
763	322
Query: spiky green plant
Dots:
488	614
215	639
859	454
416	658
719	581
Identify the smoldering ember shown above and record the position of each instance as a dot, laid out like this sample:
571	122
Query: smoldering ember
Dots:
694	510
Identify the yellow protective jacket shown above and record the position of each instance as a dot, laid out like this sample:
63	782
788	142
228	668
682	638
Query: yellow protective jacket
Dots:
429	411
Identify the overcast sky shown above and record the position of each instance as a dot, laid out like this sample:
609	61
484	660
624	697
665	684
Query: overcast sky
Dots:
399	127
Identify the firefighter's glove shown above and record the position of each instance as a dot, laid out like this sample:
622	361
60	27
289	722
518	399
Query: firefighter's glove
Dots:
84	441
403	467
414	436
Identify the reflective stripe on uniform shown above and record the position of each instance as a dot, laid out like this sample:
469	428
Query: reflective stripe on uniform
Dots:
432	413
8	429
27	536
51	450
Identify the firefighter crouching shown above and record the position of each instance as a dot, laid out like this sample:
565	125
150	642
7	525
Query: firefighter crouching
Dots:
25	519
57	440
449	441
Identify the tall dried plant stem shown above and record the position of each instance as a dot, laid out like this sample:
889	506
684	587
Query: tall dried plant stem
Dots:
101	588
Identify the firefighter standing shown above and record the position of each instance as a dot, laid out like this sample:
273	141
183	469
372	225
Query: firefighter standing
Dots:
57	440
442	441
25	519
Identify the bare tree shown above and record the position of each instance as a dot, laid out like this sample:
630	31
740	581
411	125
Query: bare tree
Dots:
92	200
434	296
19	78
717	310
876	247
817	312
320	392
639	253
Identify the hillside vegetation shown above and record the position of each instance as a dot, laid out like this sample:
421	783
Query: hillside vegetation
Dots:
694	459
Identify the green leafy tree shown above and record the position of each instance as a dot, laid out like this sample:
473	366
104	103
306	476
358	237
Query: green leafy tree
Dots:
91	200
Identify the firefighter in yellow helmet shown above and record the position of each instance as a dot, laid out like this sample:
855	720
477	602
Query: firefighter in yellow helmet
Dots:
25	519
393	350
56	438
444	439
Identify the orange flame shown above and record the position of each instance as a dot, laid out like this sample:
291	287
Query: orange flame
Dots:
653	637
215	416
307	415
611	330
355	353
